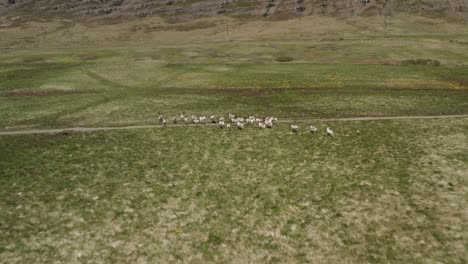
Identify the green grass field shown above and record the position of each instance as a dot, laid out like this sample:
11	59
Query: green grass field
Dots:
113	89
395	193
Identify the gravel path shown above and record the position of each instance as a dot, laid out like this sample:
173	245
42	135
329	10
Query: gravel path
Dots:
92	129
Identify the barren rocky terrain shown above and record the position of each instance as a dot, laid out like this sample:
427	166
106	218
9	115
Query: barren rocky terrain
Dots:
179	10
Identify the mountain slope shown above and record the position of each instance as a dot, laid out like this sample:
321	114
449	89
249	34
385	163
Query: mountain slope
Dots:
180	10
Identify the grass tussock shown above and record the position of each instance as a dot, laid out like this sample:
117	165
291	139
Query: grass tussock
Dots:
284	59
428	62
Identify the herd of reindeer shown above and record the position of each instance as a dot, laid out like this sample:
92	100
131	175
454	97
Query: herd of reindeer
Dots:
234	120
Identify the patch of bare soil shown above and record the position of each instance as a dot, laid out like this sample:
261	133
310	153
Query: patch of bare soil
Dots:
44	93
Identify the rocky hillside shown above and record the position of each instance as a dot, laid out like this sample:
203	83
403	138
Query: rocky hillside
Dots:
189	9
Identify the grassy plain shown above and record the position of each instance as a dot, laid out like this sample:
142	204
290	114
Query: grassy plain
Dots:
104	74
393	194
114	87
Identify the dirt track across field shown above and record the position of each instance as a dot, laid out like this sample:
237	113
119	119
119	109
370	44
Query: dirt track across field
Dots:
93	129
44	93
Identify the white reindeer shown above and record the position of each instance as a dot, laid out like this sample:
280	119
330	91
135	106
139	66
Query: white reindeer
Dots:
330	132
313	129
203	119
295	128
213	119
